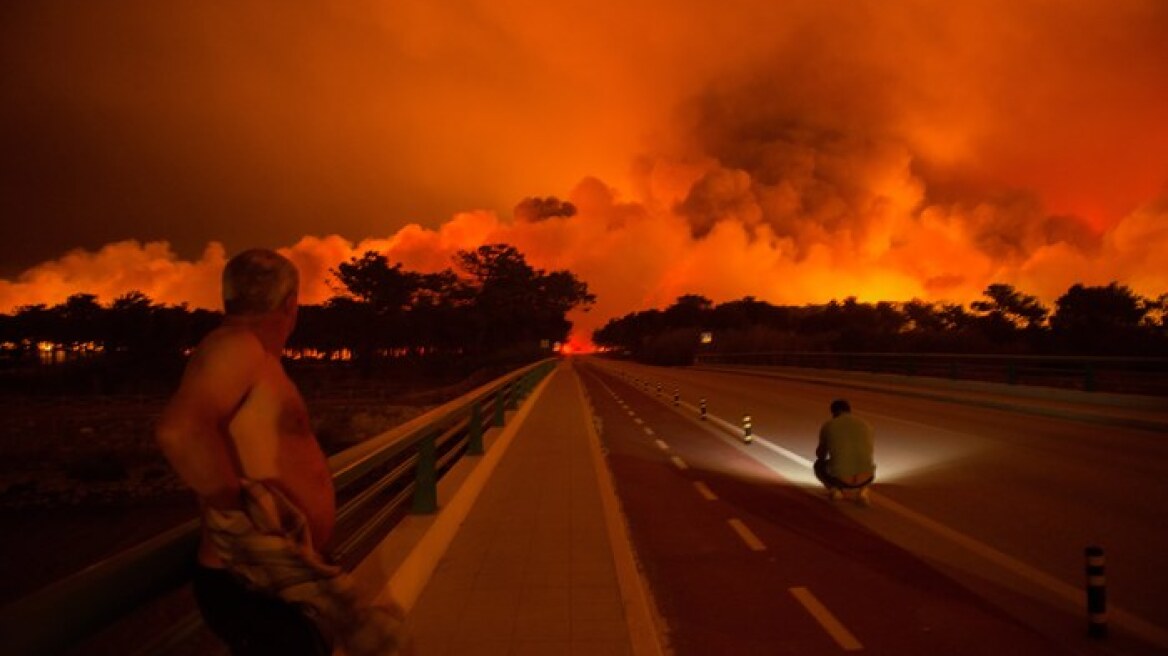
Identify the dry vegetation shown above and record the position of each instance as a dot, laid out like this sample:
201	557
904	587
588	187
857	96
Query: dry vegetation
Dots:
81	476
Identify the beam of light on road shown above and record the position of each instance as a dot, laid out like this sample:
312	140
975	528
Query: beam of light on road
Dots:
904	450
893	463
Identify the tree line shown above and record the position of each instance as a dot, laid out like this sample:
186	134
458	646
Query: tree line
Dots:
1086	320
491	300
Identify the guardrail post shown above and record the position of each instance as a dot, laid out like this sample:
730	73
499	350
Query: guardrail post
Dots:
426	479
1096	593
747	429
513	395
474	431
499	400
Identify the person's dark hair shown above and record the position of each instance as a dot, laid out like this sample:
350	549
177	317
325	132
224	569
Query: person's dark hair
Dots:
258	281
840	406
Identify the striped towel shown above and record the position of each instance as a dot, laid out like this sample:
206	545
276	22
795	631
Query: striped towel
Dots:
268	545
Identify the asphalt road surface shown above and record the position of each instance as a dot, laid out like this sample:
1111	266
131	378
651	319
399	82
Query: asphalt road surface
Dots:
973	545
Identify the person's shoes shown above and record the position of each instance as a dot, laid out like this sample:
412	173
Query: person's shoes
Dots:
835	494
864	498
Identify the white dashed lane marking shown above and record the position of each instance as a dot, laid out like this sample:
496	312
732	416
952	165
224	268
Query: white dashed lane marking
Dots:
705	491
662	445
838	632
679	463
746	534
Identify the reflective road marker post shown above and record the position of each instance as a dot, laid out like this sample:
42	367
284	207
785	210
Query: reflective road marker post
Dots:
1096	593
747	428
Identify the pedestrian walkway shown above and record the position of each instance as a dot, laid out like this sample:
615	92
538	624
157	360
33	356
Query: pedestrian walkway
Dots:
532	570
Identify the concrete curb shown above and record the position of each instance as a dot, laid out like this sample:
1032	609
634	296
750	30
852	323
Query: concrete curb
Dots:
398	569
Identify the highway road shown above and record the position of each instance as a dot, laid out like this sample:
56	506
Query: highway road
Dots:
974	542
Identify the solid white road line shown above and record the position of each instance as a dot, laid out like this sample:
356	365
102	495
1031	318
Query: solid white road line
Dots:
662	445
705	491
833	626
790	455
746	534
679	462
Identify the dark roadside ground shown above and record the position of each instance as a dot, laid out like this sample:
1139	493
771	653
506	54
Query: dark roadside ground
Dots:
81	477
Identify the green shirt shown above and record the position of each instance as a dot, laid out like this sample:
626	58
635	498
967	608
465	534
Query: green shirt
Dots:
848	442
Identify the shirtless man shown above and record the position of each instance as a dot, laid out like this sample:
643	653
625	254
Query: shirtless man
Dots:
236	415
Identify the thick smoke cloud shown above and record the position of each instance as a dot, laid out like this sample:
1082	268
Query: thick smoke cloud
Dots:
796	152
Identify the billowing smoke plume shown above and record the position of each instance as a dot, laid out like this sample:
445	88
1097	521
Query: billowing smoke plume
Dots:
796	152
538	209
635	257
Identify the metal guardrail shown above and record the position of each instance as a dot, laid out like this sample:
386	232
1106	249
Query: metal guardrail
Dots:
1123	375
374	481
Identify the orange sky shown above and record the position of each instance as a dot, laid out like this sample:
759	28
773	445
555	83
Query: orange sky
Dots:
817	150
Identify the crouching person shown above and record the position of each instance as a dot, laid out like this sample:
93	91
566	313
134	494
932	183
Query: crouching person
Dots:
843	459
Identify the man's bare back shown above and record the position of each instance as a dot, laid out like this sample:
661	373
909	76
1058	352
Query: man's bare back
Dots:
237	433
235	396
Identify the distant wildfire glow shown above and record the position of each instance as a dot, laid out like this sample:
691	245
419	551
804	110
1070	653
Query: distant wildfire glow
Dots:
886	151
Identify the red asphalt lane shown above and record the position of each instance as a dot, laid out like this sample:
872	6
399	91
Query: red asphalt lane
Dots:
718	596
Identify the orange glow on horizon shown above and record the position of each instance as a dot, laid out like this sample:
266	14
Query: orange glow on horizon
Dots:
796	152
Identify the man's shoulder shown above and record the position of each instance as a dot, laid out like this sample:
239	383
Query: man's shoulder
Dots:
859	423
846	422
230	343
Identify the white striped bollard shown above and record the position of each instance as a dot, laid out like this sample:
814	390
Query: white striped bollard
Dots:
702	405
747	429
1096	593
676	396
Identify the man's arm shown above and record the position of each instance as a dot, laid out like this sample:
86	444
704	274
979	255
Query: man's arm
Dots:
192	431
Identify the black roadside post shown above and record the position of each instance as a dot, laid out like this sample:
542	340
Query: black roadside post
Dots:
1096	593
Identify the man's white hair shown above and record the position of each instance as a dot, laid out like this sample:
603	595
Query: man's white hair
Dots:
258	281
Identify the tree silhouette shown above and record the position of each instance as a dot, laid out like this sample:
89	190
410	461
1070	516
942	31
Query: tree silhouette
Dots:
1101	319
132	323
514	302
1008	304
1006	315
1108	319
